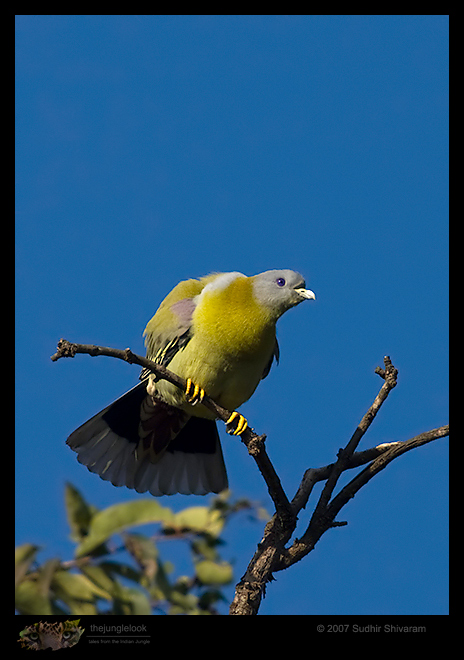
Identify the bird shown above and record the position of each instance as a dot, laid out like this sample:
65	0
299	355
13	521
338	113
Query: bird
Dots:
218	332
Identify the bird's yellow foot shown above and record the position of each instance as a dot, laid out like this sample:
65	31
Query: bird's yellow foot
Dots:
239	426
193	393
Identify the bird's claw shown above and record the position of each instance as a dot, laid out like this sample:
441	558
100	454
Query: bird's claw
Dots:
239	426
193	393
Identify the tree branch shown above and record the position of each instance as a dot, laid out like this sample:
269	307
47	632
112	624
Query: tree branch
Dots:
272	554
326	517
253	442
389	375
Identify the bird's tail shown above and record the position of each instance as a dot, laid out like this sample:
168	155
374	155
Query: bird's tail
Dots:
145	444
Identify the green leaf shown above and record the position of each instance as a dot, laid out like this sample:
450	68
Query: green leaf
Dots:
214	573
137	601
29	599
46	574
196	519
100	577
141	548
161	589
205	547
25	553
118	517
182	603
114	568
131	601
145	553
78	512
24	556
77	592
78	587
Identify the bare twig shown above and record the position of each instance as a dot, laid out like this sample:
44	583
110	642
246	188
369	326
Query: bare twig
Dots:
272	554
344	455
253	442
326	517
313	475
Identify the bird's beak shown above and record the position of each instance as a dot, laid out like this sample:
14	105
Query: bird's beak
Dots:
306	293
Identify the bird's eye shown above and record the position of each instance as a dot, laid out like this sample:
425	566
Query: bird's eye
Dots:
280	281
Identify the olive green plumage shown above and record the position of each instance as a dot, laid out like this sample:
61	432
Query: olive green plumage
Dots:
220	332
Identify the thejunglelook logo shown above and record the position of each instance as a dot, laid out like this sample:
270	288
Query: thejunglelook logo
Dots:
45	635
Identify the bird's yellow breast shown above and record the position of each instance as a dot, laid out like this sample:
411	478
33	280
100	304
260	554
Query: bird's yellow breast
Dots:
231	319
233	340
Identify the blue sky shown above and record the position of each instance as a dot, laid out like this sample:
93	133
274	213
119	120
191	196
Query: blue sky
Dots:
151	149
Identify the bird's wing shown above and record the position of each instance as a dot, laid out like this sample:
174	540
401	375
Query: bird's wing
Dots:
275	355
169	331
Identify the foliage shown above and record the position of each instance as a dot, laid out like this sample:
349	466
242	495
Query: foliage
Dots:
97	581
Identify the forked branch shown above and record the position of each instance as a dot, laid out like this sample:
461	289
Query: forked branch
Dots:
253	441
272	553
